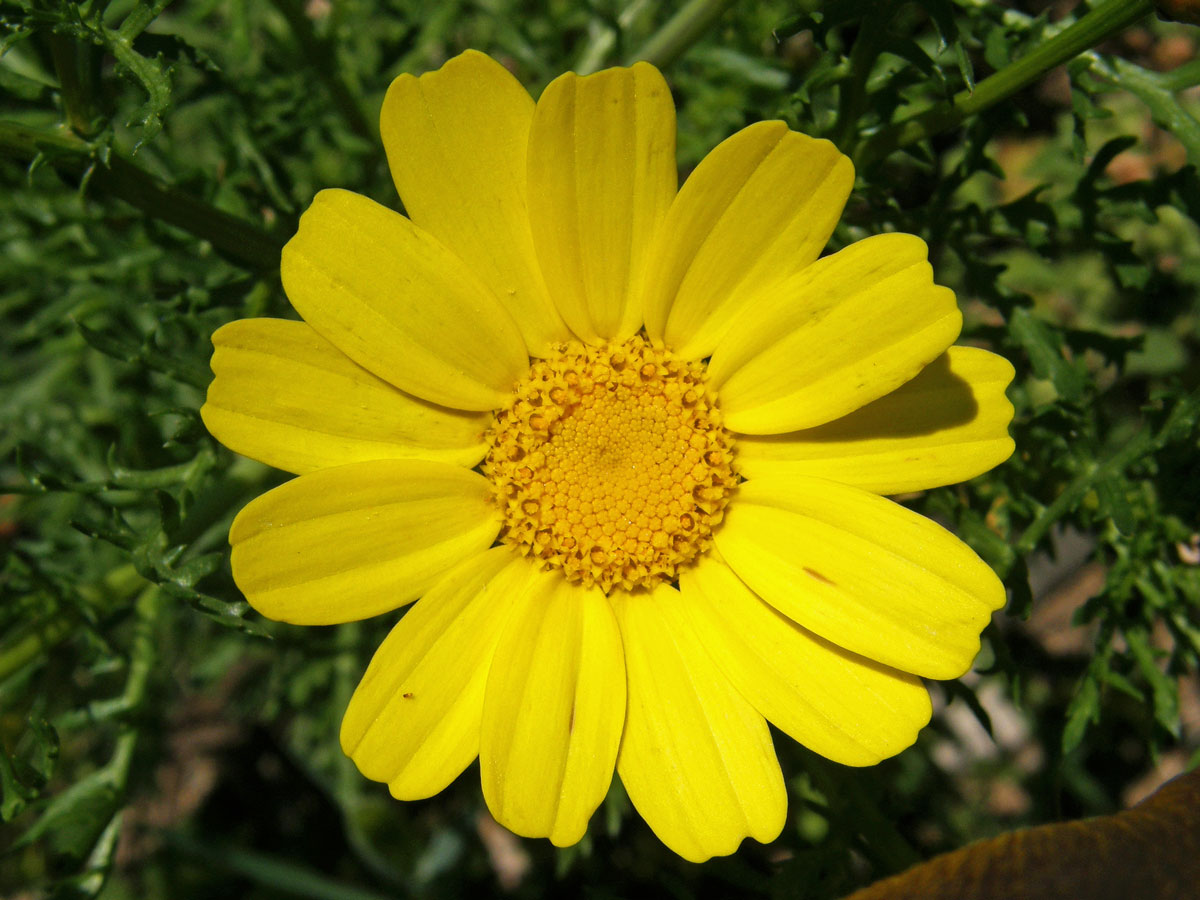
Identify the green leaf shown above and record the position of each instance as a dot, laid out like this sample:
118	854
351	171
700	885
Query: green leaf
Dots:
75	818
1165	690
1084	710
1045	348
14	796
1113	501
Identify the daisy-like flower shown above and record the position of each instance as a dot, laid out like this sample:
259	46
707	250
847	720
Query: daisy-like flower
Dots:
625	443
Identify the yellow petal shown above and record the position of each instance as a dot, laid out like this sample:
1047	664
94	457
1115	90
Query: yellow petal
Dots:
354	541
553	711
397	302
842	706
843	332
759	208
601	175
456	143
696	758
287	397
414	720
948	424
861	571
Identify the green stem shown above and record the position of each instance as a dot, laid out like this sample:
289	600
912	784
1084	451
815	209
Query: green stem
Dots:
73	65
1103	22
122	479
100	860
143	657
679	33
235	238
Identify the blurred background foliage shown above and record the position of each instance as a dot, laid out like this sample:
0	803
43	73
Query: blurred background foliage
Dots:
158	739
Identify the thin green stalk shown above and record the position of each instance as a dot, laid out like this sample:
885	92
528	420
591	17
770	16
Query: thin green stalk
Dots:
679	33
99	861
122	479
143	658
73	63
1101	23
235	238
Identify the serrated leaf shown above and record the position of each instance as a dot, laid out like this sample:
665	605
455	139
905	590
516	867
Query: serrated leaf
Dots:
107	344
959	691
20	86
1116	680
964	65
1111	493
997	49
1084	710
1110	150
193	570
73	819
1045	347
1017	581
14	796
45	747
1165	690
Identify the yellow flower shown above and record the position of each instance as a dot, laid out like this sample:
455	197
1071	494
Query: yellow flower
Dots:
626	443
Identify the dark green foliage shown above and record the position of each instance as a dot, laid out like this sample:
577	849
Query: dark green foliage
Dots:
153	159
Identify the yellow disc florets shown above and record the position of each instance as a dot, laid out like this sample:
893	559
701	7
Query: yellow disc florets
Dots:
610	463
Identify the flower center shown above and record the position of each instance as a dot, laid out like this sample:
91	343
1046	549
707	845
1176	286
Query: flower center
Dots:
610	463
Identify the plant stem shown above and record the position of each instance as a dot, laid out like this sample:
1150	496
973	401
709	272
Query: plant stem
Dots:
143	657
1103	22
235	238
73	65
679	33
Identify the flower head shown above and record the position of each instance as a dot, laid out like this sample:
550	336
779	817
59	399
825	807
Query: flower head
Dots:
626	445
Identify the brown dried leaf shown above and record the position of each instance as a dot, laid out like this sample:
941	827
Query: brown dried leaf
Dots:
1151	852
